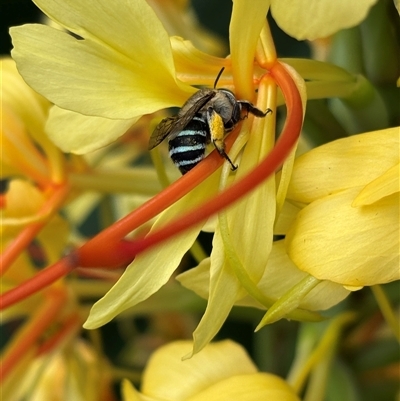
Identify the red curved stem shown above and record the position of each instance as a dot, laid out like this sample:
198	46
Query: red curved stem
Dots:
265	169
25	237
41	280
70	325
108	249
29	334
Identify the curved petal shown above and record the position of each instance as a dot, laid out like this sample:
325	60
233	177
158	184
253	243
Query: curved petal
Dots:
194	66
281	274
167	377
251	219
21	99
243	42
223	295
19	154
89	78
19	212
80	134
286	218
151	270
143	277
18	209
197	279
354	246
387	184
342	164
223	290
260	386
312	19
129	393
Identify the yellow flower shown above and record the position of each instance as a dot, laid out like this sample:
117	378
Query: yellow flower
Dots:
33	235
122	69
149	271
39	357
101	77
34	169
348	232
124	54
24	115
246	267
223	371
280	275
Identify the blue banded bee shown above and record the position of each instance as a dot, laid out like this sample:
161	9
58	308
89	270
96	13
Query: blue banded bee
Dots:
206	116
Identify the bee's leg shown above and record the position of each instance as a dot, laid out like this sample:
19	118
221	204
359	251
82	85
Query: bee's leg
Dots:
250	108
217	132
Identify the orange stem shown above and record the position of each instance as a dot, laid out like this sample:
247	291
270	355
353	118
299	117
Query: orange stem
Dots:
25	237
113	254
71	325
36	283
31	331
265	169
108	249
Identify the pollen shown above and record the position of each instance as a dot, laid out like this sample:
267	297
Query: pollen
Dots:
217	128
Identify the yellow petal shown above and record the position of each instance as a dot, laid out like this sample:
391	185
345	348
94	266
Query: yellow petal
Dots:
223	289
250	220
351	288
197	279
76	374
194	65
286	218
281	274
151	270
122	69
167	377
353	246
287	168
251	223
11	387
19	154
312	19
342	164
388	183
243	42
24	114
256	387
29	106
77	133
129	393
142	278
129	27
17	208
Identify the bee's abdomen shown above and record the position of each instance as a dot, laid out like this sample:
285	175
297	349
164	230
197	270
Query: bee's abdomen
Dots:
188	148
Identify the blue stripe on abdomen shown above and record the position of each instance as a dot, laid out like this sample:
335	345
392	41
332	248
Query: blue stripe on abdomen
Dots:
188	148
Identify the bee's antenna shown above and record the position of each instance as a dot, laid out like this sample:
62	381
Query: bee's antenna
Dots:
218	76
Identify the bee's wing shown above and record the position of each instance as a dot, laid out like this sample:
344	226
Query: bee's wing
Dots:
171	126
163	129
